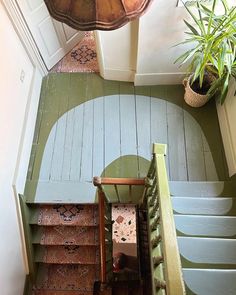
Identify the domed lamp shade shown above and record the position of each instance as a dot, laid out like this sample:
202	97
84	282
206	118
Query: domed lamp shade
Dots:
89	15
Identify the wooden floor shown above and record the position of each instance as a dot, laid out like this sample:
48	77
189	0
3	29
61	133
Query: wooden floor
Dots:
87	126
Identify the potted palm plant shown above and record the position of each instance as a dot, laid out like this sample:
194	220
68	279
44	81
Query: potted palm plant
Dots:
213	54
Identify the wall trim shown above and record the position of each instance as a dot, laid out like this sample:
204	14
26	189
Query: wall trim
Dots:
159	78
119	75
100	56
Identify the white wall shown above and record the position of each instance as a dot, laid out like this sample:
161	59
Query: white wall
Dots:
144	48
160	29
117	52
227	121
17	75
143	51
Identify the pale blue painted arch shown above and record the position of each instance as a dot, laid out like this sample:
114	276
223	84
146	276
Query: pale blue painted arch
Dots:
89	137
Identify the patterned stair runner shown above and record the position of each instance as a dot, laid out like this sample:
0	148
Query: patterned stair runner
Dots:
67	249
69	254
69	235
75	215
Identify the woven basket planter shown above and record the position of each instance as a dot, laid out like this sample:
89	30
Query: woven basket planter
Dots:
193	98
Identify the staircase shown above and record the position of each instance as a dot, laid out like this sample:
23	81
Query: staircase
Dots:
205	218
66	248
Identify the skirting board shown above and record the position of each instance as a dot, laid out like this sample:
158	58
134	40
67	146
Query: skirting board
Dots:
227	121
119	75
159	78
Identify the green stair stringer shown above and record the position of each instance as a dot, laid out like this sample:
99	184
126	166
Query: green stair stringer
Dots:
25	211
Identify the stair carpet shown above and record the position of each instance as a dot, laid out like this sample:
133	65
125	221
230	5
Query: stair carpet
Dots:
66	247
205	219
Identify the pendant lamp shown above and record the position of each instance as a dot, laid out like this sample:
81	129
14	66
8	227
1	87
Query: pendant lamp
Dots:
89	15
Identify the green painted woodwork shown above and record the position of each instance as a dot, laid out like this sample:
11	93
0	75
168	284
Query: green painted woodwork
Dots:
161	224
28	286
25	211
159	149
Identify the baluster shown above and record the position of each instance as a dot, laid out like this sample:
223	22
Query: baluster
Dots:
157	260
151	170
160	284
130	193
152	197
117	193
154	208
155	241
148	182
155	222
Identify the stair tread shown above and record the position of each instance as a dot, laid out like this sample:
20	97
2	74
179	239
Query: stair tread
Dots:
202	188
212	251
71	277
195	225
68	254
66	235
210	281
65	214
204	206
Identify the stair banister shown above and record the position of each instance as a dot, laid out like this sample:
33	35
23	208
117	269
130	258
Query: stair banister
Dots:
104	222
164	252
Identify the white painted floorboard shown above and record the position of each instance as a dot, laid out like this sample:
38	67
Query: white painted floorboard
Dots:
89	137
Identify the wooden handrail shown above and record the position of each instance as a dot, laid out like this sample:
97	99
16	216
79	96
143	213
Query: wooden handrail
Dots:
101	199
174	277
162	231
98	181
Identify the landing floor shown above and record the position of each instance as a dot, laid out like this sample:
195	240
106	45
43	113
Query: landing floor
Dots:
87	127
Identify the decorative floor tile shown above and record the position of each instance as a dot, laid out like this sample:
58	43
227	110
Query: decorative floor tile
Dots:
68	277
124	223
82	215
71	254
69	235
82	58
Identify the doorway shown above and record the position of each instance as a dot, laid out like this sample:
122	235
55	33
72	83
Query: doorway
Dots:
82	58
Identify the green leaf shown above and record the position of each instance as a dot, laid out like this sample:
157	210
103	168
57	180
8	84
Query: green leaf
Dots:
192	29
205	9
202	29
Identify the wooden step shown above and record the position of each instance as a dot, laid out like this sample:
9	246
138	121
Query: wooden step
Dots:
206	226
69	192
73	277
68	254
66	235
64	214
202	189
63	292
210	281
200	252
204	206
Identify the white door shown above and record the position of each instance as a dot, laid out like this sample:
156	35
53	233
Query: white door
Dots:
53	38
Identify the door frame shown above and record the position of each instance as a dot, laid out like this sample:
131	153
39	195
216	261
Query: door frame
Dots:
24	34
